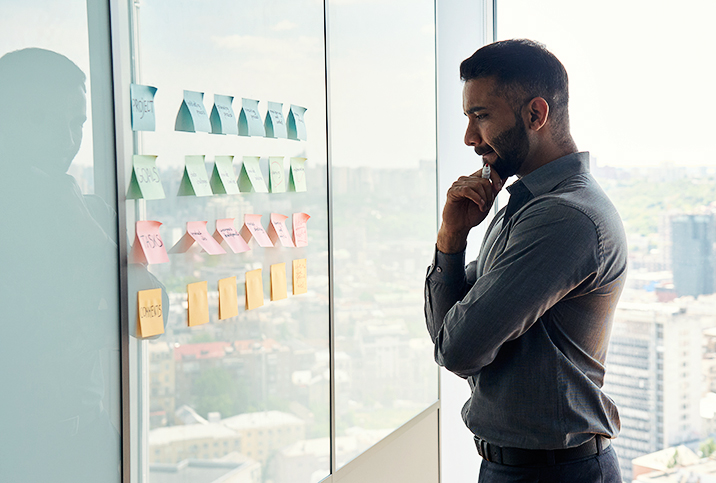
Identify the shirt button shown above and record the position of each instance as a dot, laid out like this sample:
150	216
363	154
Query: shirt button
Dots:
440	270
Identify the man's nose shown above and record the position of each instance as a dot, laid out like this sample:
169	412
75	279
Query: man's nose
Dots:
472	137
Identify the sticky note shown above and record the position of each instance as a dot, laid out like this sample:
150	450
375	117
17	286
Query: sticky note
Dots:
194	181
225	233
198	300
300	279
300	232
297	176
228	300
278	281
223	179
274	124
254	289
278	231
276	174
145	182
142	107
222	118
296	124
196	232
250	120
148	247
253	228
251	179
149	317
192	116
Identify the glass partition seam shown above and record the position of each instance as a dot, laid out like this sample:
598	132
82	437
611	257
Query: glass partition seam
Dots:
437	190
329	205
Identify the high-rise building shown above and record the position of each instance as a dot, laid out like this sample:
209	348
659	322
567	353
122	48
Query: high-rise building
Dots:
692	250
654	376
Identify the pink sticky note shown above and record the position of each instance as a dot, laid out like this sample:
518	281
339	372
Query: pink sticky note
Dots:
278	231
225	232
196	232
300	232
252	227
148	245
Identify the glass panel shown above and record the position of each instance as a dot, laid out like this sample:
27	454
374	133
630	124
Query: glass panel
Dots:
59	350
248	395
640	88
383	173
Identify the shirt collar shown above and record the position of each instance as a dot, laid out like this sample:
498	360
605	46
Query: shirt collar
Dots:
544	179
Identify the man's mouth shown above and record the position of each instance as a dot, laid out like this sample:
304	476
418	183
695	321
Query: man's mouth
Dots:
488	156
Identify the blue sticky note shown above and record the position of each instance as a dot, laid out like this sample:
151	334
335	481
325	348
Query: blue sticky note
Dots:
296	124
142	107
250	120
274	123
192	116
222	116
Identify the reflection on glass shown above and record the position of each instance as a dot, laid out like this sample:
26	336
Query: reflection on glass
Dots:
58	291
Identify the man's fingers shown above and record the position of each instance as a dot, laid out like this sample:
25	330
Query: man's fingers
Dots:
475	192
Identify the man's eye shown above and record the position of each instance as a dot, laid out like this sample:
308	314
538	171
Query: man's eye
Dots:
480	117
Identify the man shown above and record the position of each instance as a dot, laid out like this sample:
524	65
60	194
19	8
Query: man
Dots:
528	323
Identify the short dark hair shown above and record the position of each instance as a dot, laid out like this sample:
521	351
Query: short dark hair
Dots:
524	69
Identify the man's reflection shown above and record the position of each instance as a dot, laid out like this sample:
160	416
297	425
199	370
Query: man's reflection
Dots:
57	299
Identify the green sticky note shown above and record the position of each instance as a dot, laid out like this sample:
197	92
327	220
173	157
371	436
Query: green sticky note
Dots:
296	124
195	181
192	116
142	107
145	182
274	124
222	116
251	179
250	120
223	179
297	176
276	174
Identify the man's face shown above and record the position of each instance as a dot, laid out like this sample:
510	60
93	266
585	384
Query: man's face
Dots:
496	132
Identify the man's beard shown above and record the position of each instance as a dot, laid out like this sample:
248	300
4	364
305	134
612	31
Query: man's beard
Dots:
511	147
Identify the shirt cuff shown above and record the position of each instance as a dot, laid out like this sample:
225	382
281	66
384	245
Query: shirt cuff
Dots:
447	268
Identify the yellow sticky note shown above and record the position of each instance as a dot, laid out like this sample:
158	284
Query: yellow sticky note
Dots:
300	280
198	303
149	306
254	289
278	281
228	300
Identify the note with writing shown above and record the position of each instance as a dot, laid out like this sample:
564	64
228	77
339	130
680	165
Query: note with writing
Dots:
150	320
297	175
192	116
142	107
148	247
278	281
300	278
222	118
253	228
196	233
250	120
198	303
251	179
226	234
276	174
275	124
296	124
278	231
228	299
145	182
254	289
223	179
195	180
300	231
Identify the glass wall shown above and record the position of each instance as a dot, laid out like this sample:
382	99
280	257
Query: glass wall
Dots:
640	83
59	349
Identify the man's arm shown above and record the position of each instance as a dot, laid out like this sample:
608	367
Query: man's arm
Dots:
552	250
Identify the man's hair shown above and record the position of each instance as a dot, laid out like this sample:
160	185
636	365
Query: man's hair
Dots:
524	69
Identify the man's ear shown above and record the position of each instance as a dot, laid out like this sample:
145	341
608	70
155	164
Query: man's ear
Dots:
537	113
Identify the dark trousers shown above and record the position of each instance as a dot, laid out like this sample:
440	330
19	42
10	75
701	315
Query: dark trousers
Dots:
603	468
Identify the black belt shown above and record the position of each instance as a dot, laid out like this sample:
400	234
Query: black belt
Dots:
539	457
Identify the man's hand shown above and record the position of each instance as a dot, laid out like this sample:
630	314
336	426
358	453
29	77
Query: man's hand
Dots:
469	200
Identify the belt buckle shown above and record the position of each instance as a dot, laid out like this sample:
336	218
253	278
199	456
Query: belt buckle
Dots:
485	447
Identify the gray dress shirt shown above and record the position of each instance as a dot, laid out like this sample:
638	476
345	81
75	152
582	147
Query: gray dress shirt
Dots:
528	323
